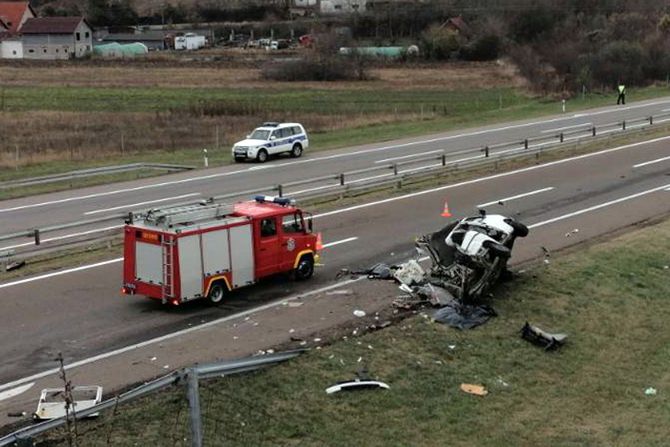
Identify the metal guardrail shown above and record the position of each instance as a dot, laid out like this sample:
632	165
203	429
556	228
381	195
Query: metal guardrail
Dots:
395	173
83	173
180	376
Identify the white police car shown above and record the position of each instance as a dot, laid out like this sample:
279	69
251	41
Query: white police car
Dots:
270	139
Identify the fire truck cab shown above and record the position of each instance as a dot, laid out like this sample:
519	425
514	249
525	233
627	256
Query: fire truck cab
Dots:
204	251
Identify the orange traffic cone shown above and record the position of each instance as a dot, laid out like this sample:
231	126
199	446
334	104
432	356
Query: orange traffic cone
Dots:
319	242
446	212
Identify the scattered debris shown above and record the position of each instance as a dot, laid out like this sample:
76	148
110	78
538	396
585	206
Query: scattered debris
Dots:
14	265
542	338
477	390
51	403
410	273
295	303
650	391
463	316
362	381
377	271
17	414
359	313
376	327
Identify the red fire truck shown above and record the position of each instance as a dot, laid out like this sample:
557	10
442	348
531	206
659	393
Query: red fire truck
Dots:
204	251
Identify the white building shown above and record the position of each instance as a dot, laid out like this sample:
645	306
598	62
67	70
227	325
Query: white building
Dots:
11	48
189	41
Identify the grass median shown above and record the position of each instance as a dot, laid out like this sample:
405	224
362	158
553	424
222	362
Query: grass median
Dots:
611	298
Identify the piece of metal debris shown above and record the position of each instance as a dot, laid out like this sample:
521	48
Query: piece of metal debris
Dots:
362	381
14	265
52	401
477	390
359	313
547	340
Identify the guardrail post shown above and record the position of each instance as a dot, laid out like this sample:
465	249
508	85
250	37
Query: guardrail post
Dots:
395	169
36	235
651	120
342	179
525	143
280	190
561	137
444	159
194	407
593	131
623	125
486	151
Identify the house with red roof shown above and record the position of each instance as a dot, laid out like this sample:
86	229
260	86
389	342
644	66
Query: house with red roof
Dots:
15	14
56	38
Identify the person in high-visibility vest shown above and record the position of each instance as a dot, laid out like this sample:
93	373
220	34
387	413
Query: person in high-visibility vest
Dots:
622	94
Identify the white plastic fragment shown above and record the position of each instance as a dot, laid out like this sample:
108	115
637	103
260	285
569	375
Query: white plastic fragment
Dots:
650	391
359	313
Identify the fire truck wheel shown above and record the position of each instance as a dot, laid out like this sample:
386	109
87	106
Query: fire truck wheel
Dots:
305	268
216	293
262	156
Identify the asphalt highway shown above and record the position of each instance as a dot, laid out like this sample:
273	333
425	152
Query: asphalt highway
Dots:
95	202
565	202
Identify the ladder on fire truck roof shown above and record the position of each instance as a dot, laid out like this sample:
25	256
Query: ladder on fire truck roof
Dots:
178	215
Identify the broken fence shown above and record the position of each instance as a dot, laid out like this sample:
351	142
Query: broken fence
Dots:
187	376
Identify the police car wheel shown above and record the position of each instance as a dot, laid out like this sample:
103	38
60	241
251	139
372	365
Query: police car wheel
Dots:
296	151
216	293
262	156
305	268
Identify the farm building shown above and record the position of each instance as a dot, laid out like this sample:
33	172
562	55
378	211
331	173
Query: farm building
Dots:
11	48
189	41
56	38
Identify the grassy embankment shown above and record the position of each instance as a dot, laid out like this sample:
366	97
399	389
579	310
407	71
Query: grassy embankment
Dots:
610	298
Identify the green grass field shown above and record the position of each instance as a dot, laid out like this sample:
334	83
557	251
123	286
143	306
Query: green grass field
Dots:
611	298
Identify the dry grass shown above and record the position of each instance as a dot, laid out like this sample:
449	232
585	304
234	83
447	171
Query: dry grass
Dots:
456	76
46	136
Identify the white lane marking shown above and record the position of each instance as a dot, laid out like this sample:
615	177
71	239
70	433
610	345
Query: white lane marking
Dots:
519	196
651	162
403	157
66	236
329	157
597	207
16	391
393	199
343	241
558	129
490	177
59	273
665	110
131	205
171	335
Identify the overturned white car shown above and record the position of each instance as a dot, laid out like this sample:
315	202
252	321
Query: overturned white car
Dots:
470	255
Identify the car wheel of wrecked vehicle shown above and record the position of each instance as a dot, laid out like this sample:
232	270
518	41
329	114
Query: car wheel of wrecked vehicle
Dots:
305	268
520	230
216	293
498	250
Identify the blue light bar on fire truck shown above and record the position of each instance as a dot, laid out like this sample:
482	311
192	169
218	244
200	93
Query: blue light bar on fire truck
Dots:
283	201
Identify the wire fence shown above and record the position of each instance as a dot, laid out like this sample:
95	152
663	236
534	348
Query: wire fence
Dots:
173	410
